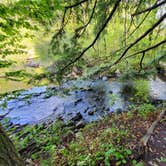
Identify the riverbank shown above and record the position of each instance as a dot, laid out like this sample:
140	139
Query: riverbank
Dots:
114	139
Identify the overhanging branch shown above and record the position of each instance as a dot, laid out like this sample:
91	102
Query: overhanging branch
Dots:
132	19
142	58
150	8
137	27
96	38
64	16
148	49
140	38
89	21
76	4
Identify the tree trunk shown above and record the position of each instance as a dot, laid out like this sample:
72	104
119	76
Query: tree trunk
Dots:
8	153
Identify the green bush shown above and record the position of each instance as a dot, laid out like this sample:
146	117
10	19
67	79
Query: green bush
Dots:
144	109
141	90
119	155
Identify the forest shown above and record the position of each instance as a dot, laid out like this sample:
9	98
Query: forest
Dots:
82	83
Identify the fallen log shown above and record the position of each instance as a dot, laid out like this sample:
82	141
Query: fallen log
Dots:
142	147
145	138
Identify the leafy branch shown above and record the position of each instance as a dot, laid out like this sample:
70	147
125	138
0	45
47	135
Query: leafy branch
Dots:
96	38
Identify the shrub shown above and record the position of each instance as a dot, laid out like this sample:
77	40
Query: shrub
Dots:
141	90
144	109
119	155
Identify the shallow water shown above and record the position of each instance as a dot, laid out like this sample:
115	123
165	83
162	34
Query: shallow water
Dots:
158	88
91	99
75	100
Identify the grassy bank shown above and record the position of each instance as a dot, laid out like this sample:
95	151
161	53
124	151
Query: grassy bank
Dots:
114	140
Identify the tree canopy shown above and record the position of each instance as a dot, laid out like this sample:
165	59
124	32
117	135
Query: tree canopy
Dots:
124	30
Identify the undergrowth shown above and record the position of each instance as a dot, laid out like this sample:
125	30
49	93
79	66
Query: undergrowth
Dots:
110	141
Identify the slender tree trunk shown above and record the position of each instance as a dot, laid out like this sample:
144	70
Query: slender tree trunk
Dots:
8	153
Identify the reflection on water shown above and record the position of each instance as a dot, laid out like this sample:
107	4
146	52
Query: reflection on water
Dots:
7	85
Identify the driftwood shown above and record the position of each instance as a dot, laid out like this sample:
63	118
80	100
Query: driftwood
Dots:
145	138
142	147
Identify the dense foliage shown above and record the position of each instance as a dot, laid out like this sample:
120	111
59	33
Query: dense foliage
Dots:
92	34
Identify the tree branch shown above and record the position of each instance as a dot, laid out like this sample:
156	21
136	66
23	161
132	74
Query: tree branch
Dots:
144	140
142	58
97	36
76	4
150	8
138	25
139	39
148	49
84	26
64	16
132	19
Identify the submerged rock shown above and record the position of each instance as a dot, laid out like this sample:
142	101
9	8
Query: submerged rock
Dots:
91	112
119	110
88	101
80	124
77	117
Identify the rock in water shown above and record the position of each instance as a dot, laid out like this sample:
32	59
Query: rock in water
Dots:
91	112
77	117
80	124
105	78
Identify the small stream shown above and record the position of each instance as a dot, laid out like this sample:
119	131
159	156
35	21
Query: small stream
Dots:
77	101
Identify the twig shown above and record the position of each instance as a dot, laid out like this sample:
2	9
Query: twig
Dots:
63	18
137	27
142	58
76	4
85	26
132	19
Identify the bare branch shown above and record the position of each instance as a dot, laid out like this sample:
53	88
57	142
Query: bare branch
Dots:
144	140
140	38
132	19
150	8
142	58
76	4
148	49
64	16
61	28
137	27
